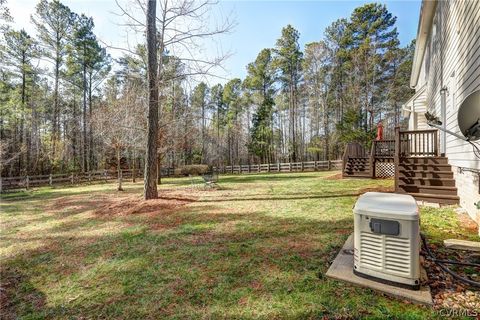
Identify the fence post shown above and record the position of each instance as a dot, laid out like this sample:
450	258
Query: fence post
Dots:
1	189
258	167
105	175
50	179
329	165
290	166
249	169
89	176
27	182
71	178
315	166
302	166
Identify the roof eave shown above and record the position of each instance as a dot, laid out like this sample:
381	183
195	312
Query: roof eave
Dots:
427	12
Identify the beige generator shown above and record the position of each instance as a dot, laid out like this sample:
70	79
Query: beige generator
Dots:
387	239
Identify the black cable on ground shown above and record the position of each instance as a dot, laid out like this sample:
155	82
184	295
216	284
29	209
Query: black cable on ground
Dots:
444	268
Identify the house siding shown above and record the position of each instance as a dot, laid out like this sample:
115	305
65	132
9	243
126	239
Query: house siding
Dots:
452	61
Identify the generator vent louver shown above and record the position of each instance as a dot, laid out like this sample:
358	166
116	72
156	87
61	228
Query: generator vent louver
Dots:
370	250
384	252
397	255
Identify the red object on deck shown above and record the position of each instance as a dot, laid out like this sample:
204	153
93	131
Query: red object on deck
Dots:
379	131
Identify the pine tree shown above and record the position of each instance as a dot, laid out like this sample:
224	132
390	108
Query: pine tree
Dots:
288	60
261	80
18	52
54	23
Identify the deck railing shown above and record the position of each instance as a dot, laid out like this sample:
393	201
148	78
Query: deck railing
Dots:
383	148
418	143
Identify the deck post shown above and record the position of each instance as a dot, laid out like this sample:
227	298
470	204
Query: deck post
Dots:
372	160
396	157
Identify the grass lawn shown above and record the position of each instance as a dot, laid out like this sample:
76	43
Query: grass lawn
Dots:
257	248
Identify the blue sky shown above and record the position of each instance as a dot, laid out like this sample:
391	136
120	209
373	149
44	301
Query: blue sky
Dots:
258	23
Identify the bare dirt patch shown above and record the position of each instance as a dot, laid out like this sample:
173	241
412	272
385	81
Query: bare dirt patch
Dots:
337	176
466	222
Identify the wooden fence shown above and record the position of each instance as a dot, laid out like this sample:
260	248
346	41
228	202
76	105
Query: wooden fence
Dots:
284	167
26	182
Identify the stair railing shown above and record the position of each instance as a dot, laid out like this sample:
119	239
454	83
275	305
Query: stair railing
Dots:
419	143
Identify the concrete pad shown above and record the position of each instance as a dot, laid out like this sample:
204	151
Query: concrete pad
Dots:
462	244
342	269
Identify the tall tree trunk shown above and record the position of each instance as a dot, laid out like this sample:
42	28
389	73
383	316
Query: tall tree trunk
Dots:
90	129
84	124
134	171
159	169
55	104
150	182
119	170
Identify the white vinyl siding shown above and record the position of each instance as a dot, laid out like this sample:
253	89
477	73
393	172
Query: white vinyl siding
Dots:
452	60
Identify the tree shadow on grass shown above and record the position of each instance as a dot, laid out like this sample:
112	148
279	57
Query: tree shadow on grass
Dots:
17	290
203	259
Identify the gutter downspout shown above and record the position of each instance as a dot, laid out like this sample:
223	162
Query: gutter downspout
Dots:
443	115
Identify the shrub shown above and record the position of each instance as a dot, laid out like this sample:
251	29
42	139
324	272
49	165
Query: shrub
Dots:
194	170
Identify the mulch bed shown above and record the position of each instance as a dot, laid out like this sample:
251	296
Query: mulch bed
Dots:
447	292
167	202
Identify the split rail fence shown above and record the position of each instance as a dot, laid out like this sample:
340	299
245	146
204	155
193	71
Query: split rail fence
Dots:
284	167
27	182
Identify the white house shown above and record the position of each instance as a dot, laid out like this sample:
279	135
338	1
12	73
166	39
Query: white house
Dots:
446	69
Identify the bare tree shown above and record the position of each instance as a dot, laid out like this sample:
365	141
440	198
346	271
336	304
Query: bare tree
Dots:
150	182
177	30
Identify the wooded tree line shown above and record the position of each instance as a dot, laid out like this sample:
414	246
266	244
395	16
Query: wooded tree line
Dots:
77	113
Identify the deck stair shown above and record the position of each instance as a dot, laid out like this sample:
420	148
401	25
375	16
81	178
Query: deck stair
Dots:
356	161
357	167
420	170
428	179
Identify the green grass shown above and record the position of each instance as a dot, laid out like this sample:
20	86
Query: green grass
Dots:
257	248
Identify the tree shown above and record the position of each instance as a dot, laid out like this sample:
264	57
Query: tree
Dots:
94	66
217	104
150	180
199	104
116	122
4	12
288	60
18	52
261	79
372	37
233	104
54	22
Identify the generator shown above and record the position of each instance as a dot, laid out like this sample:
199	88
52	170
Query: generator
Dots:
387	239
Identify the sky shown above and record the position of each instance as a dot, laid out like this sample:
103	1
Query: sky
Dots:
257	24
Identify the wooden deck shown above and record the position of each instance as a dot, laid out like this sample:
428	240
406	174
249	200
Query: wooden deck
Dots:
412	159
